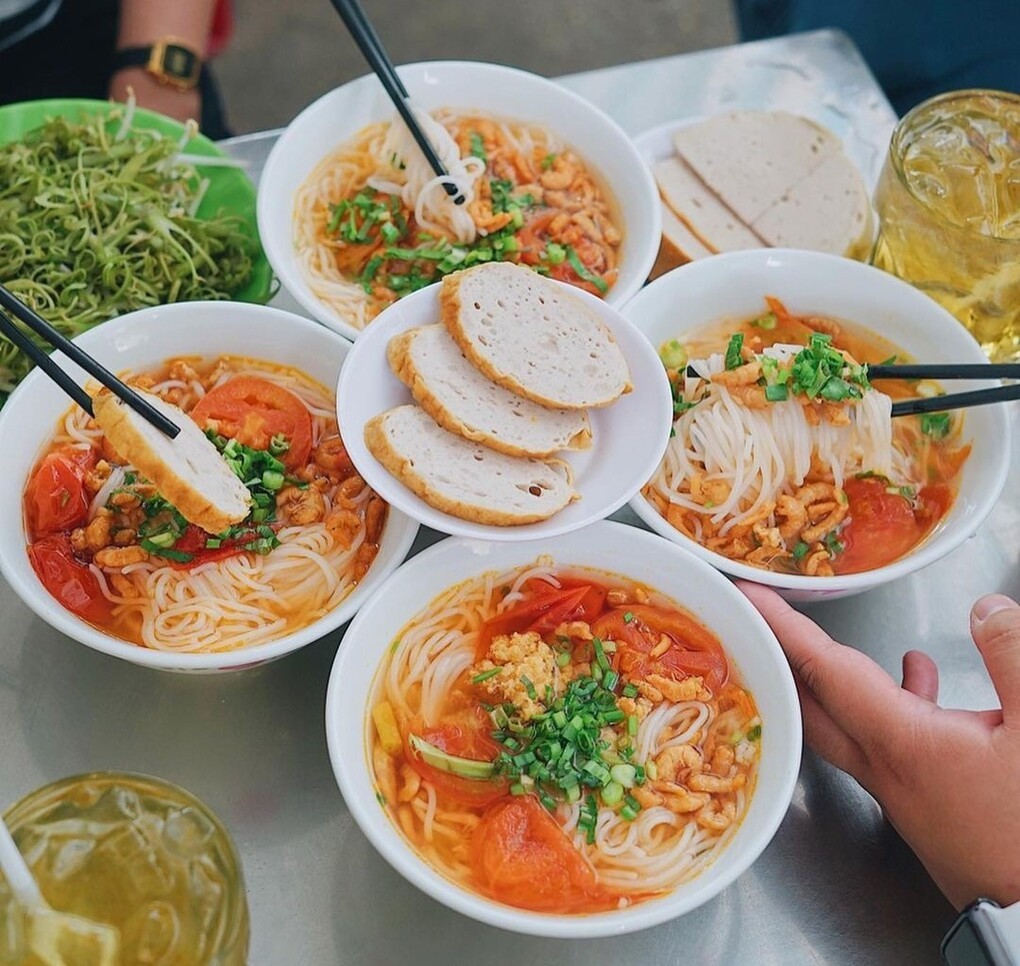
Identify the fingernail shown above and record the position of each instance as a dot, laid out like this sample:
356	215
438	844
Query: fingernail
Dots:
989	604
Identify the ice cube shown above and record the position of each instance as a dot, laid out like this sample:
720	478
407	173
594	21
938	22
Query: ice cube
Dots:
69	856
59	939
206	887
146	874
186	832
151	934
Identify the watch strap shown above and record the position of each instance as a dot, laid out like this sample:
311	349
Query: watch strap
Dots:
131	57
170	60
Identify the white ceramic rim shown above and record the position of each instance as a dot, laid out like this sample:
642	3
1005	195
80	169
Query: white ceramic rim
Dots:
630	281
38	599
936	545
384	836
367	358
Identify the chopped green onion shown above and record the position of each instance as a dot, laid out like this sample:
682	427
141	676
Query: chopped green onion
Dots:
485	675
477	146
554	254
767	322
628	617
936	425
548	161
630	691
517	789
734	360
163	540
612	794
776	393
584	273
611	680
272	480
563	658
800	550
279	445
628	813
626	775
529	687
673	354
632	725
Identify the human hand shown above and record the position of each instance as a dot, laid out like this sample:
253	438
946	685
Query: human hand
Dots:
948	780
151	94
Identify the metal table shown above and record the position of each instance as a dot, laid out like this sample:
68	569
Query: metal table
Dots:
835	886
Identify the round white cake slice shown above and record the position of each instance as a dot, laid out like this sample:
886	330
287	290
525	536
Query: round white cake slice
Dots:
458	397
462	478
531	336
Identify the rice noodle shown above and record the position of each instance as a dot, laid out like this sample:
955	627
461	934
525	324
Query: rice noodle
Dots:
656	852
246	599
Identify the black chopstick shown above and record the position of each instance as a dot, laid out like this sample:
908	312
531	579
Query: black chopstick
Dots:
956	400
44	361
365	36
17	308
938	370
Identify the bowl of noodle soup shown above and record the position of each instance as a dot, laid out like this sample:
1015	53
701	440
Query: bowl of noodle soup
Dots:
410	693
352	217
797	476
98	554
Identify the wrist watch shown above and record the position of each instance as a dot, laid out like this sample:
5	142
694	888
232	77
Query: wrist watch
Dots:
170	60
985	934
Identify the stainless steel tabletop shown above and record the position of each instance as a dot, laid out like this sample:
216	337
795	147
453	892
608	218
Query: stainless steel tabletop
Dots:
835	886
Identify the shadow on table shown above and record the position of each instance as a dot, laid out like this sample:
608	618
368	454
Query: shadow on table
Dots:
251	744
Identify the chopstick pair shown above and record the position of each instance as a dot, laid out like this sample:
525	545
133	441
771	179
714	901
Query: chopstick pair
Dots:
365	36
9	302
946	371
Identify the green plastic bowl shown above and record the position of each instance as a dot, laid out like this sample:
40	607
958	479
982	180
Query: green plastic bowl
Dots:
230	189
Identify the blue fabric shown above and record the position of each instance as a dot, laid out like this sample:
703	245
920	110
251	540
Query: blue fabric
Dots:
916	48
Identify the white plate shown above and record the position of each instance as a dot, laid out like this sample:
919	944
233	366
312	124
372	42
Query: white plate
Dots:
621	550
656	144
463	85
630	436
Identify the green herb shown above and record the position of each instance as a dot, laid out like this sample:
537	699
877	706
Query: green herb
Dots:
890	361
800	550
820	370
279	445
734	360
832	544
630	691
98	219
561	748
554	254
628	617
673	354
754	733
548	161
499	194
529	687
776	393
485	675
367	277
936	425
477	146
177	556
584	273
767	322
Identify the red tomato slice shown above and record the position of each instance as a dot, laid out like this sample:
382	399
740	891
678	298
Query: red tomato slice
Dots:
67	579
543	611
520	856
56	499
696	649
882	527
253	411
466	736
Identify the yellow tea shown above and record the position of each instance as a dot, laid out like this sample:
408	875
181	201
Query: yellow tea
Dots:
949	207
136	870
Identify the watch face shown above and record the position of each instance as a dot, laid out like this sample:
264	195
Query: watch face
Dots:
964	945
179	62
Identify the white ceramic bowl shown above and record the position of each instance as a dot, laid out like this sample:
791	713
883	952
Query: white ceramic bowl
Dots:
339	115
606	546
148	338
733	286
629	437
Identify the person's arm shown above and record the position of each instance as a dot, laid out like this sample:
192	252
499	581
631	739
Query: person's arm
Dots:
142	22
949	781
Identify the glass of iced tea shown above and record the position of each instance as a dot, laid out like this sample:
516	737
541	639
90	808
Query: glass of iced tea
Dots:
948	202
135	870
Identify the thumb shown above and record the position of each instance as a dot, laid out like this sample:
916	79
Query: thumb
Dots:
995	627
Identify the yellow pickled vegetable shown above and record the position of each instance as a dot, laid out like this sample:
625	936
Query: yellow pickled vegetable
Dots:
386	724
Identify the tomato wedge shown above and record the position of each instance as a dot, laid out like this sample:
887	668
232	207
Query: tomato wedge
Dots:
67	579
638	628
253	411
520	856
543	611
882	527
464	735
56	499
